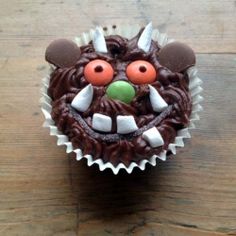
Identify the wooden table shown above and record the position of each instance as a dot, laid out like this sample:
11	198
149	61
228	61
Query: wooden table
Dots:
45	192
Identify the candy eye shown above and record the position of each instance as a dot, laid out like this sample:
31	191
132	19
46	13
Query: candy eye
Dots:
98	72
141	72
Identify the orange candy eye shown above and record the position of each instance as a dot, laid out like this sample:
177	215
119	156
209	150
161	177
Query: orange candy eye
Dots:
98	72
141	72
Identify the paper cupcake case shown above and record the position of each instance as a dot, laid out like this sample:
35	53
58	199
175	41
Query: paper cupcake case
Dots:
194	87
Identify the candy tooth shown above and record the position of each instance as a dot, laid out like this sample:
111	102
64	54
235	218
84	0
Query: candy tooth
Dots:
101	122
126	124
157	102
99	42
145	38
83	99
153	137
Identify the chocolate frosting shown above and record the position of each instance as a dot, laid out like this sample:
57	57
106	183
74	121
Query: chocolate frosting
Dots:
65	83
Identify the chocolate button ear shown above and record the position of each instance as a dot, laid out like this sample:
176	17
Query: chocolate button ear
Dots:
62	53
177	56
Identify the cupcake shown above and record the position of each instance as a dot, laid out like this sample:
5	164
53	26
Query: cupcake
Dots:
118	99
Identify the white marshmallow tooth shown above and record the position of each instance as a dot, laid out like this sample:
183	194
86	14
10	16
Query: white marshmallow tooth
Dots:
126	124
99	42
157	102
153	137
101	122
83	99
145	38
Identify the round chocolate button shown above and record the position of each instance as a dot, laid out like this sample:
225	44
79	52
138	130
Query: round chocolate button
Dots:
62	53
177	56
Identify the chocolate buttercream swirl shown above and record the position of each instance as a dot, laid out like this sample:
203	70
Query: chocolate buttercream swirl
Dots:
65	83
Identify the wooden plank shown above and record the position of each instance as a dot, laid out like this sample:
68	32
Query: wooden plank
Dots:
208	26
144	229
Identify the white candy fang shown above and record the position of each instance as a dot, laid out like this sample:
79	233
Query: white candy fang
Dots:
157	102
145	38
153	137
99	42
101	122
83	99
126	124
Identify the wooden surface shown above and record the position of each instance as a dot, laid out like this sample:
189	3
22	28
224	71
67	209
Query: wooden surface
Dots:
45	192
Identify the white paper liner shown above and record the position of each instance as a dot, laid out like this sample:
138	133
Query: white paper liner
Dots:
194	87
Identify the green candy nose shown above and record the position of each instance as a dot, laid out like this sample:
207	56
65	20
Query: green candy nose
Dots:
121	90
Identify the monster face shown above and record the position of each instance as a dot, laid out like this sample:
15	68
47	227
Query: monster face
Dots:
117	99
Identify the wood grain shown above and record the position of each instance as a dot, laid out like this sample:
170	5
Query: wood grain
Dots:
27	26
45	192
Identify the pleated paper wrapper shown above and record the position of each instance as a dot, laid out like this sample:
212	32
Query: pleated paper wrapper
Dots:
194	87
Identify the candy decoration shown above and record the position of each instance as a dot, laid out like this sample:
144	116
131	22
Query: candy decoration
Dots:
126	124
141	72
157	102
153	137
83	99
99	42
62	53
101	122
121	90
98	72
177	56
145	39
